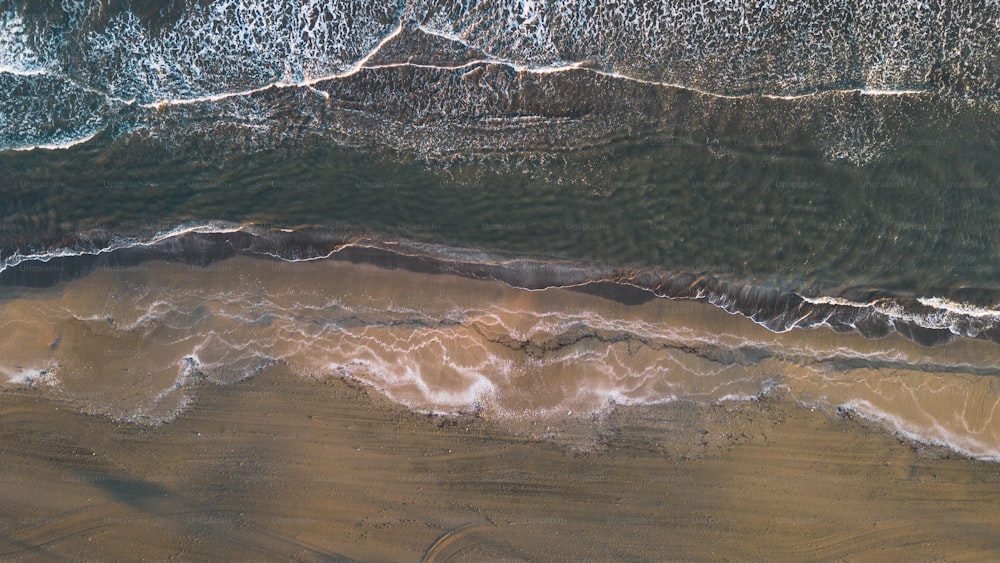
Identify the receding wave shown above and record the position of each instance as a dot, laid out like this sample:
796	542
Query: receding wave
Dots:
133	333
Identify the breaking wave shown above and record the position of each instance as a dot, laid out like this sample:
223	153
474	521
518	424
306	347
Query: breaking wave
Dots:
76	69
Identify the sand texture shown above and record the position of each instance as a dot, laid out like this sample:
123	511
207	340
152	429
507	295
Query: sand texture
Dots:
282	468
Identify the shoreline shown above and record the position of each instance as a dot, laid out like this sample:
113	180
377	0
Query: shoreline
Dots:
137	345
937	317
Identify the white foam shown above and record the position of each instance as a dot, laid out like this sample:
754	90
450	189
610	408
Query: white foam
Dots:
839	301
16	55
511	30
63	145
21	71
962	309
30	377
397	380
891	92
238	48
960	318
739	397
935	435
181	230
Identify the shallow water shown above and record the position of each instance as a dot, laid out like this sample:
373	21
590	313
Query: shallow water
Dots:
135	343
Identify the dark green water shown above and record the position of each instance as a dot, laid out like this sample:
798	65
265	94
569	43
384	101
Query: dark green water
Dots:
920	218
843	149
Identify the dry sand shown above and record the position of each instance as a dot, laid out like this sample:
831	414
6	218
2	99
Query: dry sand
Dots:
280	467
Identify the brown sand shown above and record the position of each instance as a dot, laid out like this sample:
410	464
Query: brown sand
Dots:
278	467
296	463
134	344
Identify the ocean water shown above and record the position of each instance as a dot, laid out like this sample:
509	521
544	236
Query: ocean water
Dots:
647	202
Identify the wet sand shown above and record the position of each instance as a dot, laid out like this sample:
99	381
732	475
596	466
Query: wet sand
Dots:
281	467
278	446
135	344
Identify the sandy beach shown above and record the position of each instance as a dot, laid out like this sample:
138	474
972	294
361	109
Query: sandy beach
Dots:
149	438
278	467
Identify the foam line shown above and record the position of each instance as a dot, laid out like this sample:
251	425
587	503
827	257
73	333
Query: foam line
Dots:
362	65
58	146
945	317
